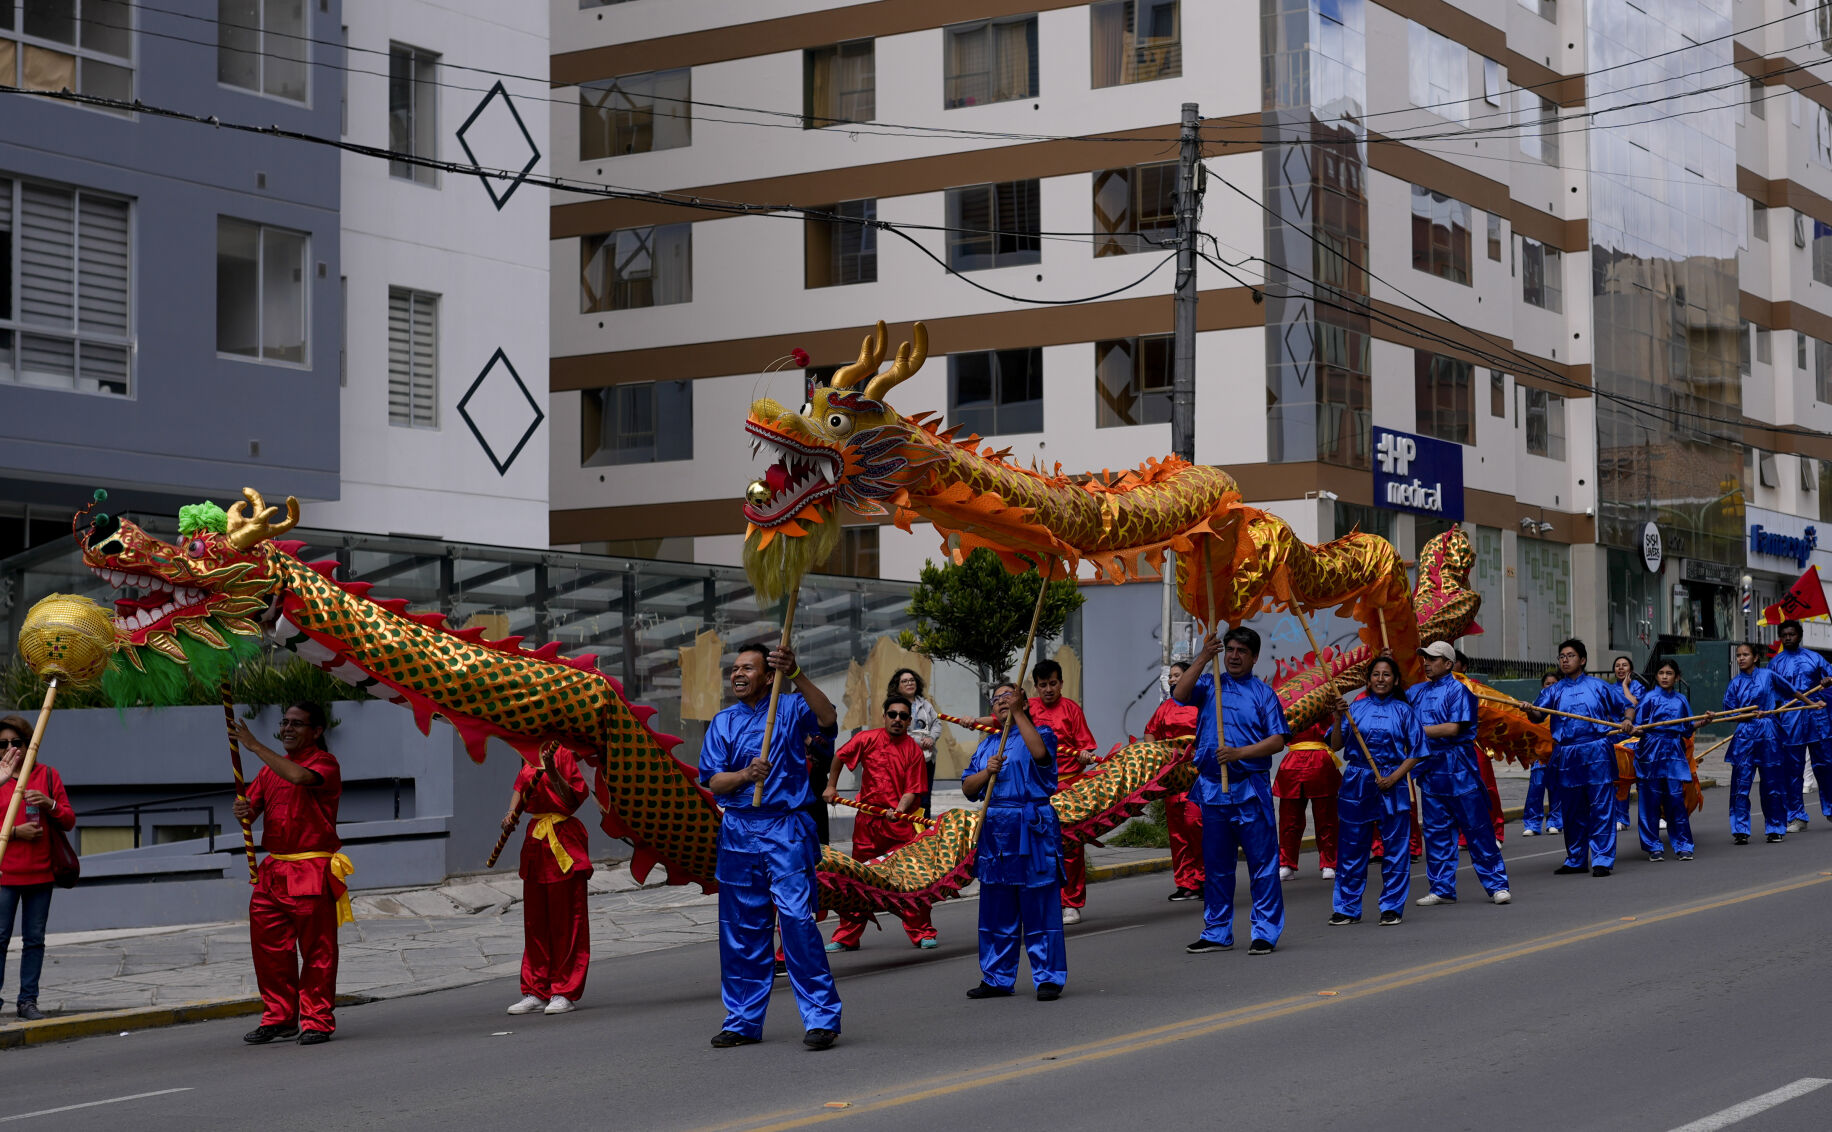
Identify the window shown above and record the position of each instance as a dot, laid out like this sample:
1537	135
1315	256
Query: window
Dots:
1547	9
1545	417
839	84
1133	381
996	392
1491	82
1822	135
1538	121
990	61
856	555
1800	351
1745	332
83	45
1446	397
1758	102
1822	371
1498	394
644	422
994	226
65	282
413	358
260	291
1758	220
635	114
1542	274
1764	352
413	111
1494	236
261	46
842	250
1135	41
1135	209
1440	235
1822	251
636	267
1438	73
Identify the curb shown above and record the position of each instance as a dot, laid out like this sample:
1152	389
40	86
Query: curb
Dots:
20	1034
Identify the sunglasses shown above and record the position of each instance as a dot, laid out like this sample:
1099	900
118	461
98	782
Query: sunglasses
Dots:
22	742
896	715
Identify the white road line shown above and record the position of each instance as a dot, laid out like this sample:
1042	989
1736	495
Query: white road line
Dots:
110	1100
1749	1108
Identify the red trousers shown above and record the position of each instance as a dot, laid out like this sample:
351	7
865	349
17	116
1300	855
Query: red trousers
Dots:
1074	876
556	938
852	929
1494	795
1184	819
1291	830
294	939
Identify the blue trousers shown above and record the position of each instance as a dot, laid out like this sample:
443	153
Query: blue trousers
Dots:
1446	815
1821	753
748	916
1590	825
1543	813
1354	845
1008	913
35	900
1620	810
1226	832
1774	801
1794	758
1664	798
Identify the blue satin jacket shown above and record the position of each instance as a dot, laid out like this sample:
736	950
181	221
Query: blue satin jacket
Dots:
1021	841
1393	734
1252	712
1662	750
1800	669
781	828
1759	739
1585	751
1454	768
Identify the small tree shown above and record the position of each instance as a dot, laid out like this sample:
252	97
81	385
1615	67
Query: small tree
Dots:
976	614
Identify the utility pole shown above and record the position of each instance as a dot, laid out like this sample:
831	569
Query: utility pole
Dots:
1183	343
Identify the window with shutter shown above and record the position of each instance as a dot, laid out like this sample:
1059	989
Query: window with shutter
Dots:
413	358
65	288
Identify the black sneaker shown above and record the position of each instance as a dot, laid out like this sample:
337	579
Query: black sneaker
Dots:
1684	856
314	1037
1657	858
1740	838
1389	919
261	1035
782	970
726	1039
1776	838
1567	870
1260	947
820	1039
1049	992
1599	870
1205	946
1185	894
987	990
29	1012
1338	919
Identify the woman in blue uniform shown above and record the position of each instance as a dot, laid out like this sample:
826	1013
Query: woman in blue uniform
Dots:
1757	745
1369	800
1018	859
1661	767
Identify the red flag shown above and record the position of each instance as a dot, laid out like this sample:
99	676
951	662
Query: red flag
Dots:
1804	600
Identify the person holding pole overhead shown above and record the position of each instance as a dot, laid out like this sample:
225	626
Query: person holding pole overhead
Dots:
1586	715
1452	795
1756	746
1233	771
1661	767
1381	740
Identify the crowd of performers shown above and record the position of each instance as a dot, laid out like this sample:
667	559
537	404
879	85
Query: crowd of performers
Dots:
1395	773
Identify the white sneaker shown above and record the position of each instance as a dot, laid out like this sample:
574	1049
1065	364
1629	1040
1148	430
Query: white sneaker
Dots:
1552	829
1502	896
1796	826
560	1005
1071	916
1286	874
1529	833
528	1005
1663	824
1620	826
1431	900
1328	874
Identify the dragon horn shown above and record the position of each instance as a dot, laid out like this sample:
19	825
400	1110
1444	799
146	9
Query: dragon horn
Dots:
908	362
871	353
244	531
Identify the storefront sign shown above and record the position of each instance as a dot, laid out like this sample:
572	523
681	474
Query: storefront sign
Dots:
1418	474
1796	548
1714	573
1651	552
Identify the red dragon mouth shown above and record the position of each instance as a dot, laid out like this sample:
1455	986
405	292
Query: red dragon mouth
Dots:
160	603
803	474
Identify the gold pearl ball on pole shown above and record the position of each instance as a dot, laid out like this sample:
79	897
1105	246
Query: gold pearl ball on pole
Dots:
66	639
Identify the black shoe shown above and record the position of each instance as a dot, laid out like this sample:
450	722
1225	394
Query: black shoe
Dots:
1185	894
782	971
29	1012
987	990
314	1037
1338	919
1776	838
1567	870
1685	856
1740	838
1205	946
1049	992
261	1035
1389	919
1260	947
1657	858
726	1039
1599	870
820	1039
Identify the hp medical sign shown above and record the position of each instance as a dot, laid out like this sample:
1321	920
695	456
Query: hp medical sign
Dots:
1418	474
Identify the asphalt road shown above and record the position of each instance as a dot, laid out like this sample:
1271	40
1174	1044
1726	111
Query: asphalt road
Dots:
1651	999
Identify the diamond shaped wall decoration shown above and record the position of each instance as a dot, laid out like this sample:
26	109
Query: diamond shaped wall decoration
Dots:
496	124
500	411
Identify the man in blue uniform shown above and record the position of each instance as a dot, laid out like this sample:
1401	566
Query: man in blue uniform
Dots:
1238	815
1452	795
1586	757
767	851
1019	856
1803	733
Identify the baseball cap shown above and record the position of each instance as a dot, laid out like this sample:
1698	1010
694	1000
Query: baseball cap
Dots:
1443	650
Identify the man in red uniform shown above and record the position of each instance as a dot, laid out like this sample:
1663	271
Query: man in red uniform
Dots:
299	897
1175	721
1050	708
556	860
1308	772
892	775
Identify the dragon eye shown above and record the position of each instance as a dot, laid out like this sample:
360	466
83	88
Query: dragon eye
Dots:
196	549
837	421
807	409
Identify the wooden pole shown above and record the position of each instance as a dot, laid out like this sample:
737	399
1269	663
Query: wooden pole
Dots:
26	765
1030	638
521	805
1208	584
1524	706
235	765
1412	790
1321	667
769	717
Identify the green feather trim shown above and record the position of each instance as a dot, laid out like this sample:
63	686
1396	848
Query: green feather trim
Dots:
164	682
196	518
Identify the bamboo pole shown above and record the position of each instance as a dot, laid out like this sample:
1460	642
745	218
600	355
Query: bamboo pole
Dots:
879	811
1030	638
1318	653
26	765
1208	582
1412	790
235	765
1524	706
515	811
776	685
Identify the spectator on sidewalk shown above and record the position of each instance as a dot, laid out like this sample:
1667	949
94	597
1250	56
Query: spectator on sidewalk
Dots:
891	777
555	864
25	871
925	728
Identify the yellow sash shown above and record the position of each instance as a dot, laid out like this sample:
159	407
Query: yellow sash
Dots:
1312	745
341	868
546	828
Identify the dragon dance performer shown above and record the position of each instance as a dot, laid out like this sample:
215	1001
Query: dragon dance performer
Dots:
1018	858
1622	674
1182	817
299	895
767	852
1662	769
1586	757
1063	716
892	776
1803	733
1485	763
1543	810
1307	773
1451	792
1756	746
1236	816
1396	742
555	864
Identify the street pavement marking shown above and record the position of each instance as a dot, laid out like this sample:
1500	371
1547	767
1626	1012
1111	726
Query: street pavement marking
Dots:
90	1104
1740	1112
1202	1026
